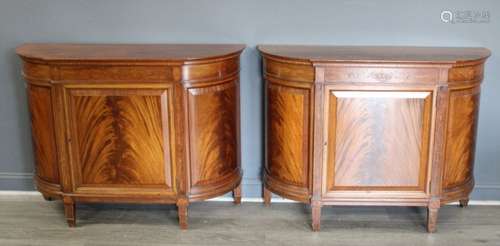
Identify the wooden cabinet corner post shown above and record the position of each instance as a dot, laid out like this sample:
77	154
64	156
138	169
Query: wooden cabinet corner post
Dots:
182	179
69	211
438	154
319	142
237	194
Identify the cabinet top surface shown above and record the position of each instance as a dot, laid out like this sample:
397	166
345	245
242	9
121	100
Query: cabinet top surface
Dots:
127	52
397	54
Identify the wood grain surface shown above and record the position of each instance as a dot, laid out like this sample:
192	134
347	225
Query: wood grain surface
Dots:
288	113
126	52
375	54
43	133
464	109
119	138
212	115
378	139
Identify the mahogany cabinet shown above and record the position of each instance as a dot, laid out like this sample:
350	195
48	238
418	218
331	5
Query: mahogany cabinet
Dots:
134	123
371	125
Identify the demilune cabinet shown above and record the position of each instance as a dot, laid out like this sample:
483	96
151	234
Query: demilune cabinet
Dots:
349	125
134	123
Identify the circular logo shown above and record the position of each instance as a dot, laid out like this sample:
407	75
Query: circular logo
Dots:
446	16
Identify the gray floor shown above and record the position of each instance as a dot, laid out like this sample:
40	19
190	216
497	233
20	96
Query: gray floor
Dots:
32	221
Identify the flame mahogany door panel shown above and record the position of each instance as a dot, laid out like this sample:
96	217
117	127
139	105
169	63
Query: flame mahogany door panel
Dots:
458	178
371	125
288	139
43	135
120	138
134	123
377	141
213	136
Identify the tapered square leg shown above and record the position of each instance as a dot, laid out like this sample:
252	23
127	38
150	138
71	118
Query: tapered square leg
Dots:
237	194
70	211
464	202
182	211
267	196
316	215
432	216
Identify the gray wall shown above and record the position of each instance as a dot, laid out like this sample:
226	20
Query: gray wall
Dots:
346	22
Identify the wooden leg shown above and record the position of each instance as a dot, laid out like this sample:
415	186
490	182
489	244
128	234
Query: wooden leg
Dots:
237	194
432	216
70	211
464	202
316	215
182	211
267	196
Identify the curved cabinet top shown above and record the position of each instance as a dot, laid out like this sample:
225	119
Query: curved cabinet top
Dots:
375	64
191	64
171	54
375	54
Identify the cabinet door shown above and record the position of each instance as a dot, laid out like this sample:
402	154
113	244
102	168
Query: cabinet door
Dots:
212	113
42	123
288	137
377	141
119	138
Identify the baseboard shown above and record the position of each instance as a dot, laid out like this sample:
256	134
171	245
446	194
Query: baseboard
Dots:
12	182
22	181
283	200
19	193
15	175
36	195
